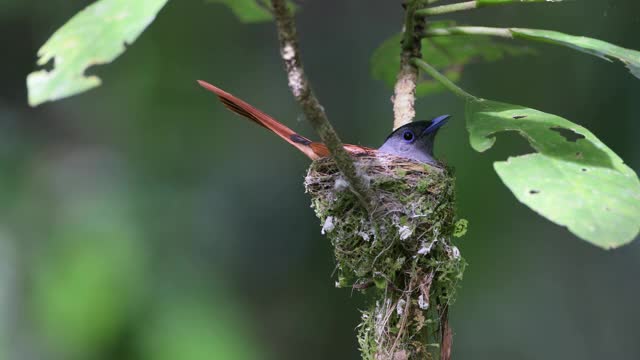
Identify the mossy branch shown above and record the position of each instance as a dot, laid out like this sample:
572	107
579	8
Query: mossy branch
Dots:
405	89
314	112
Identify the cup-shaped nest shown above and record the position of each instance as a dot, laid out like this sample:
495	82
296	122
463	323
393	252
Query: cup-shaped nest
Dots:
402	246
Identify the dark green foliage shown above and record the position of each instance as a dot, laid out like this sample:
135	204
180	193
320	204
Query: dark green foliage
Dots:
250	11
448	54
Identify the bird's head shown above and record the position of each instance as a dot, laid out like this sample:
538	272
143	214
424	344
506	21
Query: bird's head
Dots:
415	140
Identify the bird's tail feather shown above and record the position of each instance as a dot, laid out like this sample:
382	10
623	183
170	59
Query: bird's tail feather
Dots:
242	108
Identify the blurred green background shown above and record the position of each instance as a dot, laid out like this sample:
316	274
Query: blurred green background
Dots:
141	220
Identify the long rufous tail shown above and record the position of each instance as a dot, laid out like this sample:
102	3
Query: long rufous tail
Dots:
312	149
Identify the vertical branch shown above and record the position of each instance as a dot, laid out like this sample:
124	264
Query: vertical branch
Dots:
313	111
405	89
404	110
446	336
403	312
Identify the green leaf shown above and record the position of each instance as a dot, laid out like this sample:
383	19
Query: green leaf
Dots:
460	228
248	11
251	11
385	61
573	180
96	35
448	54
599	48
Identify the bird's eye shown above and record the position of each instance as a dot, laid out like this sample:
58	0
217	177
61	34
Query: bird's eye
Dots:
408	136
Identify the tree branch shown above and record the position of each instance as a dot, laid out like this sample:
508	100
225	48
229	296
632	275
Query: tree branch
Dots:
405	89
313	111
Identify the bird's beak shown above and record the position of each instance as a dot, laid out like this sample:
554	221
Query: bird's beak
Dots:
436	124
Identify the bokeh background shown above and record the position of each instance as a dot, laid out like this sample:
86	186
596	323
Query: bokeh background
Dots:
141	220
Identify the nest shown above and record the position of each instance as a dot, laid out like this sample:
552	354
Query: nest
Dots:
402	250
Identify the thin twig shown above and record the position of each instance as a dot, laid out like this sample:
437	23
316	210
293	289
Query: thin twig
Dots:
446	336
405	89
469	30
405	313
469	5
443	80
314	112
449	8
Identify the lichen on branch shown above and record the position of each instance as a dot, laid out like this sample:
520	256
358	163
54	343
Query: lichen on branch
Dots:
404	97
313	111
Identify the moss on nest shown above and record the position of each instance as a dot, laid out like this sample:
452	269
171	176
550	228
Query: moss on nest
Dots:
403	250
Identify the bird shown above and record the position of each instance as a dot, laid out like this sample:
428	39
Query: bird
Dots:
411	141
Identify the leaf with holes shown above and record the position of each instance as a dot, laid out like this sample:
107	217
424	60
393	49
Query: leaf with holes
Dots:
448	54
599	48
573	180
96	35
251	11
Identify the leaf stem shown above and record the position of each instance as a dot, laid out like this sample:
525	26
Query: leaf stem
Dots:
469	30
468	5
449	8
442	79
314	112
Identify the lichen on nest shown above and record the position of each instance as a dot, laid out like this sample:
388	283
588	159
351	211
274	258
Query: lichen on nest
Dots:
402	249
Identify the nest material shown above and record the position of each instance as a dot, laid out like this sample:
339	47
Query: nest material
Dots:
403	249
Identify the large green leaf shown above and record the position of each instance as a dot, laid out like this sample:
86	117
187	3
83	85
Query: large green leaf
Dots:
573	180
96	35
448	54
250	11
602	49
